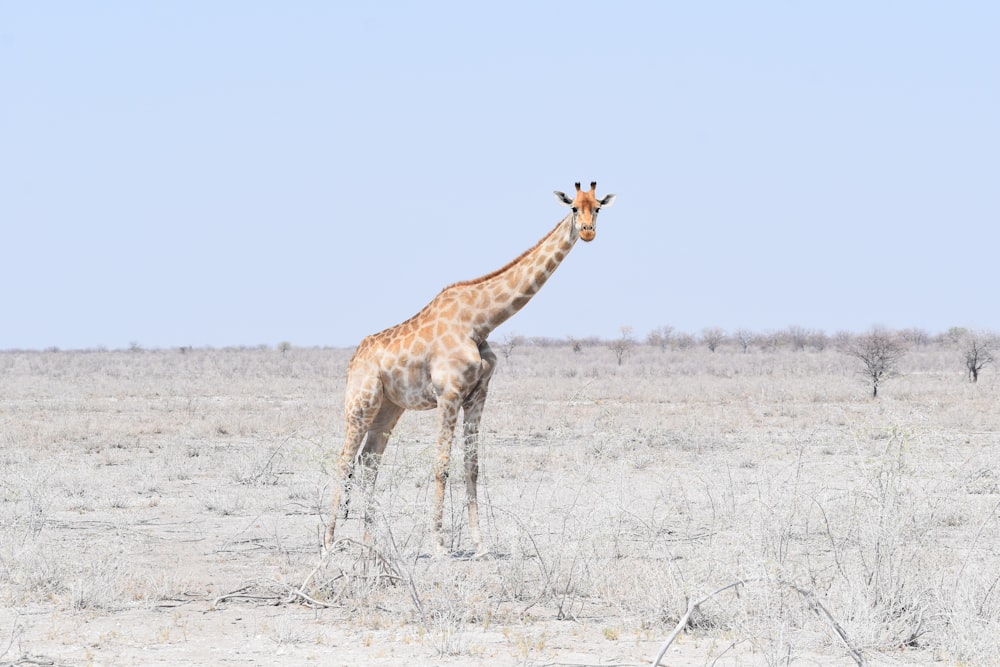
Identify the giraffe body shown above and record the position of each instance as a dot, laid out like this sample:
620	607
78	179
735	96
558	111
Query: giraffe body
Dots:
439	359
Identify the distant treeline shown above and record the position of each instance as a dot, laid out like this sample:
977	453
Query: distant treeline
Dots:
794	338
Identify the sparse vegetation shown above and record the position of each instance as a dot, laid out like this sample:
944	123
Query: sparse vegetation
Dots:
148	500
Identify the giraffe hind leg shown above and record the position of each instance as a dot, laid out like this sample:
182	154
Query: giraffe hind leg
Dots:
371	457
363	403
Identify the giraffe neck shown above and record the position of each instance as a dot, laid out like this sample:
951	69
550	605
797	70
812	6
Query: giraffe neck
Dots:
492	299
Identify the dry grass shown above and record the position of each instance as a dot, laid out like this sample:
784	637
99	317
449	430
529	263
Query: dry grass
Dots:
176	501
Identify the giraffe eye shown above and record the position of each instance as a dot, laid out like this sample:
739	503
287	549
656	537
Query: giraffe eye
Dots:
574	209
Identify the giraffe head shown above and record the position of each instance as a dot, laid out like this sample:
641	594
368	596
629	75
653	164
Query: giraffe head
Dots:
585	207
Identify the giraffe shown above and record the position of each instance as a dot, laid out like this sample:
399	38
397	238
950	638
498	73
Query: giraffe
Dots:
439	359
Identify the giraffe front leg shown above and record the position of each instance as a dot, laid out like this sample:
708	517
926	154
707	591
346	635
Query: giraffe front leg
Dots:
473	415
447	417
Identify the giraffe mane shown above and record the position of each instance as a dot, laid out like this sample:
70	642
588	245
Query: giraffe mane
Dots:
505	267
475	281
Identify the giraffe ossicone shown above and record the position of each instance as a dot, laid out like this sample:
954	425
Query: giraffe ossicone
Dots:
439	359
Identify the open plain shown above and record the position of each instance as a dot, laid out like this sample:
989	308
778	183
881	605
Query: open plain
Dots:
168	506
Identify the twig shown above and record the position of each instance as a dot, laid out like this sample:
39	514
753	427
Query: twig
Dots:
725	651
411	586
810	597
15	630
384	563
298	593
27	659
325	556
538	553
681	624
829	534
291	594
232	539
818	607
252	478
975	540
238	593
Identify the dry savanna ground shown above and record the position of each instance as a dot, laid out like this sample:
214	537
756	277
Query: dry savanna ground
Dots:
167	507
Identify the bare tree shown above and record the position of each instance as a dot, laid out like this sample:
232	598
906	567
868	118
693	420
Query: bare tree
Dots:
660	336
712	337
683	341
543	341
769	341
622	345
915	337
879	350
954	335
798	337
510	341
818	340
745	338
842	340
978	350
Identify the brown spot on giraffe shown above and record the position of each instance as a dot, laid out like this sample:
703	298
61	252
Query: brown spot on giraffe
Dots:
439	358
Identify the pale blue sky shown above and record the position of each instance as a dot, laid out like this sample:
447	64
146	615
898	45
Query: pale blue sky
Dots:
238	173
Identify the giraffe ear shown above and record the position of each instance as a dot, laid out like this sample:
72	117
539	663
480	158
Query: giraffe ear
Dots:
608	201
561	196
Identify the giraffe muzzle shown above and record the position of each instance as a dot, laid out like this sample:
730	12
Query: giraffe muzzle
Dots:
588	232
